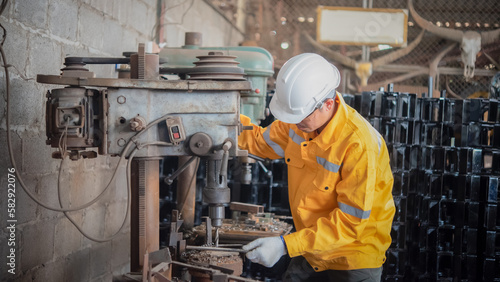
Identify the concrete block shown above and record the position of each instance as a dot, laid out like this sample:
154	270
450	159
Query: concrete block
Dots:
86	186
120	186
63	19
90	32
5	164
103	278
37	244
138	17
67	237
50	271
173	36
113	36
31	13
100	256
15	48
129	42
45	56
47	193
26	104
151	24
103	6
120	248
26	208
77	266
150	3
36	155
121	10
115	215
121	269
93	223
77	50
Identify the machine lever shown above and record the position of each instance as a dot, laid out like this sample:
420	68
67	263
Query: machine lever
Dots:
170	179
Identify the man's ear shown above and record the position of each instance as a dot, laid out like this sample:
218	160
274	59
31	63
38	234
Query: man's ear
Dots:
329	104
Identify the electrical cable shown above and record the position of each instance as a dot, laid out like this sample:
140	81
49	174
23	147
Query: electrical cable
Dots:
158	25
129	192
2	8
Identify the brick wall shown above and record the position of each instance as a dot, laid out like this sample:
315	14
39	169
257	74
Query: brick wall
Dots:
40	33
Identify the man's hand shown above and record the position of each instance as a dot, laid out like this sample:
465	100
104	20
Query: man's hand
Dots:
265	251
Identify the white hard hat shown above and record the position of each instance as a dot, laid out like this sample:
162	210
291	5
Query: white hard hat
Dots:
303	83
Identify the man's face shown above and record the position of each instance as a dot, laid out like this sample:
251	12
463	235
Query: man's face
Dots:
319	118
311	122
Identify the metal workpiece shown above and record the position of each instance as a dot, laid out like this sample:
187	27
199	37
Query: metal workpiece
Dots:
215	249
245	207
243	228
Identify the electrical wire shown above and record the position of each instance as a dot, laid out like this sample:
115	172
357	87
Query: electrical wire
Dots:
129	192
158	25
2	8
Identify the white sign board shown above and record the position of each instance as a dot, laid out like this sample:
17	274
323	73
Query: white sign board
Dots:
358	26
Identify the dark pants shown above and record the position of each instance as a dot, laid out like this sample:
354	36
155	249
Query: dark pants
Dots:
300	270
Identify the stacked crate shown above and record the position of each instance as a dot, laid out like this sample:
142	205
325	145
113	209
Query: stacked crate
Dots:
445	157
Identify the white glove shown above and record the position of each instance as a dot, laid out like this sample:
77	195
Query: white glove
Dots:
265	251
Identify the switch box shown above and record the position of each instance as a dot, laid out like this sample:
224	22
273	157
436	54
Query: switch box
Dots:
175	128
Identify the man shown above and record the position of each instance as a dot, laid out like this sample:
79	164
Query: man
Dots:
339	178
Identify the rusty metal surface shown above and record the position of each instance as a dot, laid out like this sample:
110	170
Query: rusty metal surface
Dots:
215	113
227	262
209	270
186	85
145	210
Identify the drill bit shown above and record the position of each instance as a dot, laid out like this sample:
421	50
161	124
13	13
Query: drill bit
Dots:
216	236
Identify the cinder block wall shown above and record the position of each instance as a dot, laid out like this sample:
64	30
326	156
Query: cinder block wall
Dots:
40	33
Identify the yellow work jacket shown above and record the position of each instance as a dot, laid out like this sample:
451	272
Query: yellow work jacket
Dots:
339	187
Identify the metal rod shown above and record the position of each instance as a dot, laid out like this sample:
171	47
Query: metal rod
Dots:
201	248
170	179
256	157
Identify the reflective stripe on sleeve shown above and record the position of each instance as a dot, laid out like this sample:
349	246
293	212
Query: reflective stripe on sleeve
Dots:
328	165
354	211
277	148
296	138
